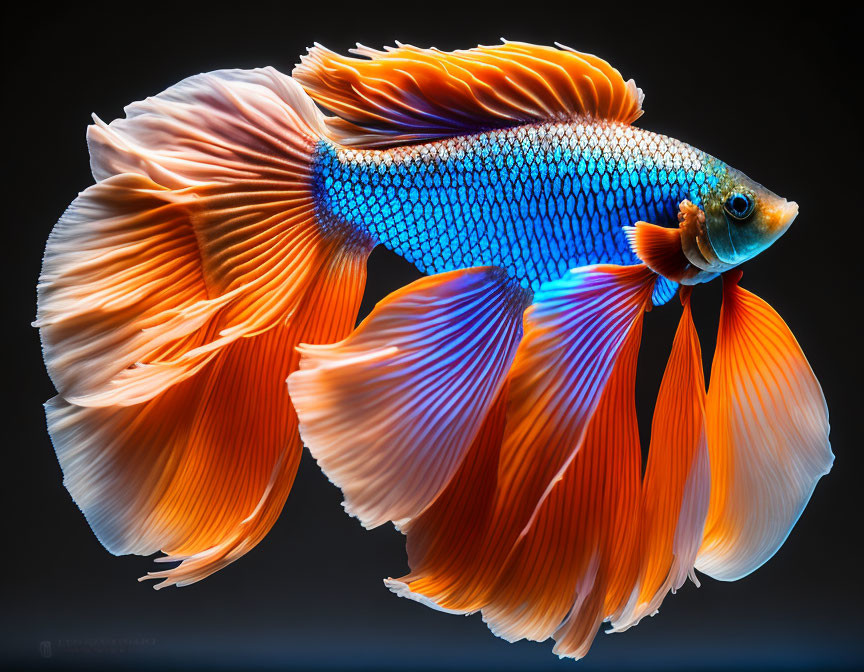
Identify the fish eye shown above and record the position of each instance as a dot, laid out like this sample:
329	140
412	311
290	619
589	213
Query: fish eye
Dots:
739	205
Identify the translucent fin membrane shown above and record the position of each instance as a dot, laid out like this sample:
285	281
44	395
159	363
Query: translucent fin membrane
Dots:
675	492
767	436
463	508
172	295
390	412
568	352
569	569
545	525
407	94
198	232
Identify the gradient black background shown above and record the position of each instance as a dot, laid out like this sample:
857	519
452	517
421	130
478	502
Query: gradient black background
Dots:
774	95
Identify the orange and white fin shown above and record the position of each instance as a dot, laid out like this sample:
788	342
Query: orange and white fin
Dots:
767	436
200	230
407	94
172	295
574	565
574	334
201	471
390	412
677	479
460	511
659	248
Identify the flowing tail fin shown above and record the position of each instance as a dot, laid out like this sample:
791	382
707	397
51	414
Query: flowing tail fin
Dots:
173	293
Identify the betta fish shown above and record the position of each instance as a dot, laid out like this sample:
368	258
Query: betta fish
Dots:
197	309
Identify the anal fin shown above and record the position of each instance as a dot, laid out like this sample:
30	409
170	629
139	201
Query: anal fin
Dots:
575	332
767	436
573	565
390	412
674	498
462	509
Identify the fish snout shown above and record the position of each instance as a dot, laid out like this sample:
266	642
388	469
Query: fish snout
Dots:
778	219
788	213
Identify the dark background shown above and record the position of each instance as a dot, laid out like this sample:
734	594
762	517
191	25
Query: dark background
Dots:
773	95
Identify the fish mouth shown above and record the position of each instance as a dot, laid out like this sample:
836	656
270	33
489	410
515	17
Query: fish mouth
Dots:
777	219
789	213
786	214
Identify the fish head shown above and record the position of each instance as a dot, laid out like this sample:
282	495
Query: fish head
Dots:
741	219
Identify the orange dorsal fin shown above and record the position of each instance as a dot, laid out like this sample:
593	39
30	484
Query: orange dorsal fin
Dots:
406	94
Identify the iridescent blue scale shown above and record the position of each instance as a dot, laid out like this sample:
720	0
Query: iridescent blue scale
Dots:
535	200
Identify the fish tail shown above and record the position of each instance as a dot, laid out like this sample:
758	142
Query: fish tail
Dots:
172	295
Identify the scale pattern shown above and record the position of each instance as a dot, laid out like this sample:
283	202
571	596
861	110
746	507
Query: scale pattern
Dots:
535	200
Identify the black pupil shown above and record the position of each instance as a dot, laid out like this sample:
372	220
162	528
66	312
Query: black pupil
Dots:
739	204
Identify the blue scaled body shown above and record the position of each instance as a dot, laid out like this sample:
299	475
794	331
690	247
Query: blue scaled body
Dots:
535	200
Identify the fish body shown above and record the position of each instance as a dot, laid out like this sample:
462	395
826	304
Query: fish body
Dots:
197	308
534	200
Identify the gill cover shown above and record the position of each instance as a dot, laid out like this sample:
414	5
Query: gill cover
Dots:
738	220
741	219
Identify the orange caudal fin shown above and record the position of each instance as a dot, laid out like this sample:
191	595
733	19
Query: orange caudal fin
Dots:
173	293
767	436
